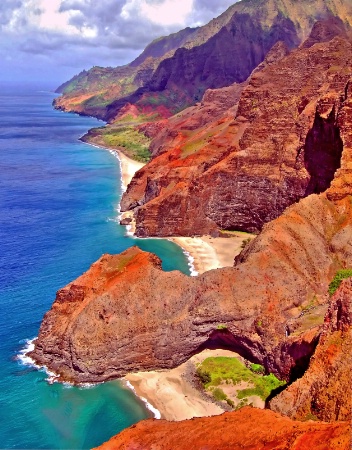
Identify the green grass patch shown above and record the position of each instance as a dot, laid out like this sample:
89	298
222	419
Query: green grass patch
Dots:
213	371
219	394
340	275
257	368
263	386
133	143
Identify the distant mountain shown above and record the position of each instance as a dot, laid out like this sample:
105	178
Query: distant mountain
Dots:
173	72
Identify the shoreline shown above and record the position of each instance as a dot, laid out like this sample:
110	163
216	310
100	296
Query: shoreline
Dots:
203	253
209	253
172	394
128	166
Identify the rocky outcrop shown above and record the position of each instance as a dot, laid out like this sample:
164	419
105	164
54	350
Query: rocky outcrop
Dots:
324	392
290	134
125	314
249	428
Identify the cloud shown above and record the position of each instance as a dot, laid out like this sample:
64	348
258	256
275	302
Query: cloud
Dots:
7	8
72	35
165	13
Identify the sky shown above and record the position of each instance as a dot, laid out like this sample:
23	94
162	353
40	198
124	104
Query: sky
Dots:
49	41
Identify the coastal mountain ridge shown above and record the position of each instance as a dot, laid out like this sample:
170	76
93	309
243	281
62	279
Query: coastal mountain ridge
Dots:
209	170
240	167
217	54
248	123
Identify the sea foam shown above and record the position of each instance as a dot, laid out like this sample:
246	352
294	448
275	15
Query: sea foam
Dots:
156	412
26	360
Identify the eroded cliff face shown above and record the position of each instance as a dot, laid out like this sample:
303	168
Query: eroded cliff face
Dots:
324	392
125	314
249	428
282	137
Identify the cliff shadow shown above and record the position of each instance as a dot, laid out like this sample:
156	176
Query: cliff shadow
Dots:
322	153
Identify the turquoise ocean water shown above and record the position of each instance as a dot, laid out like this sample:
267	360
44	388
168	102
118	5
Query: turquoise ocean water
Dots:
58	214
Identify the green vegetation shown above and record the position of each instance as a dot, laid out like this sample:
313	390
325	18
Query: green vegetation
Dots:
224	370
221	327
245	242
130	140
203	375
311	416
340	275
219	394
242	403
263	386
306	308
257	368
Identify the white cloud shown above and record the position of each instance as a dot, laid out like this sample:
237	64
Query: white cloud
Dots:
72	35
46	16
165	13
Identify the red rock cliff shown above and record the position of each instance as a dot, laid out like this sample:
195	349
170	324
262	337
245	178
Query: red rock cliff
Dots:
324	392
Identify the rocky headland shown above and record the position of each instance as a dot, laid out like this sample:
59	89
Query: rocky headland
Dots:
248	125
125	314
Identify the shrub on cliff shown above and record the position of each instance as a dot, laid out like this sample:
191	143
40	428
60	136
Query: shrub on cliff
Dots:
340	275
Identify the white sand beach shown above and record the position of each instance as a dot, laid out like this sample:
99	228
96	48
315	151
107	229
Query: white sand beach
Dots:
212	253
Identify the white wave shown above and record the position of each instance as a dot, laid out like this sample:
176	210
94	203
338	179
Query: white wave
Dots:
149	406
117	156
129	231
23	354
113	219
190	259
26	360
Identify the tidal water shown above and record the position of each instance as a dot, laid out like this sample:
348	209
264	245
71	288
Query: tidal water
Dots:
58	214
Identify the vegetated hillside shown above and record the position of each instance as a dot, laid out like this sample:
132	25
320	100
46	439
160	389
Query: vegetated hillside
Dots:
176	71
246	152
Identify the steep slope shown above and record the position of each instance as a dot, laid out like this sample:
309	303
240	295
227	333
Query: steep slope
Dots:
291	129
90	92
324	392
249	428
176	71
125	314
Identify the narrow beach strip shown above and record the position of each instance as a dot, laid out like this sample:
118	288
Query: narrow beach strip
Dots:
210	253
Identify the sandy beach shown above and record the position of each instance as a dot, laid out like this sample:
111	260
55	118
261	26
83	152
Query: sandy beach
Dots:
128	167
207	253
212	253
173	393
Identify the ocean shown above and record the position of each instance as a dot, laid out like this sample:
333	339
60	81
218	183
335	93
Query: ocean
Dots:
58	214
